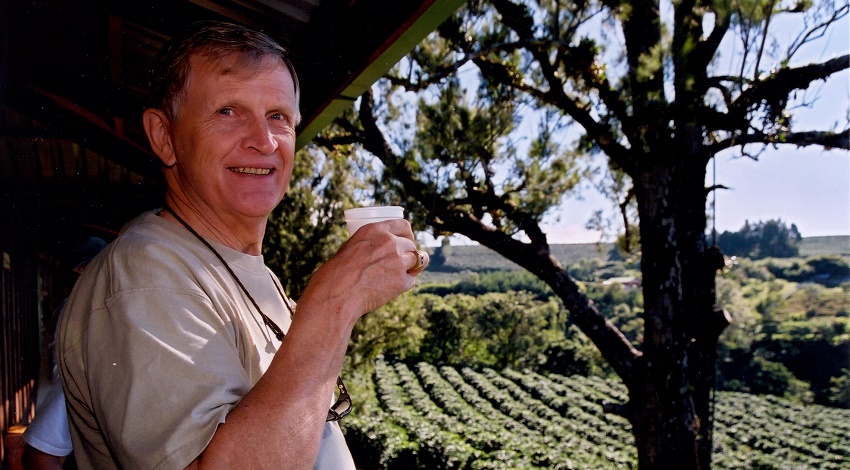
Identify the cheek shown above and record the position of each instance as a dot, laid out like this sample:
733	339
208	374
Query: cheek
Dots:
286	148
286	174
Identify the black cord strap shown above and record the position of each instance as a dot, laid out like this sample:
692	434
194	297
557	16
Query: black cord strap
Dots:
278	333
343	405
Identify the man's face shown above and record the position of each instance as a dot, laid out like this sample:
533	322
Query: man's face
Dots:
234	138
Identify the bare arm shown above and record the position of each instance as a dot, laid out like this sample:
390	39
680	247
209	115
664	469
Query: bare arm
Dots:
279	422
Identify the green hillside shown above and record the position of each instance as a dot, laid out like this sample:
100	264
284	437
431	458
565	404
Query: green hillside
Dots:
477	258
443	417
831	245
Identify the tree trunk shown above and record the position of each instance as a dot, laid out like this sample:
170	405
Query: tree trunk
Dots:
671	404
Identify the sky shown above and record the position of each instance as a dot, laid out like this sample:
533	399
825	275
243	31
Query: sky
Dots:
808	187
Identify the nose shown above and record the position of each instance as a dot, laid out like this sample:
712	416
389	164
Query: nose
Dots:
259	137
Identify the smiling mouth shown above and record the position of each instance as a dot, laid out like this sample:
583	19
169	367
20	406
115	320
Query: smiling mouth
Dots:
252	171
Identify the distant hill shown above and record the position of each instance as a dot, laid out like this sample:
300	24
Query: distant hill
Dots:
830	245
480	258
477	258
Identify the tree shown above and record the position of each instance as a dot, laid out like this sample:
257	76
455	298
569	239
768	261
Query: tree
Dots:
840	390
762	240
642	87
397	330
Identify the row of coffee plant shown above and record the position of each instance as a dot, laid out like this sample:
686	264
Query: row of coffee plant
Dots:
426	416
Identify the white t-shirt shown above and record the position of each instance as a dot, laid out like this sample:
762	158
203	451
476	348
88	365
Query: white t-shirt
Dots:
158	344
48	431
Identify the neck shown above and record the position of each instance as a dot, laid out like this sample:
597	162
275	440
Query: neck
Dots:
244	234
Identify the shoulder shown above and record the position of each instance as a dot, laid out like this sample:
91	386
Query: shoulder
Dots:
149	253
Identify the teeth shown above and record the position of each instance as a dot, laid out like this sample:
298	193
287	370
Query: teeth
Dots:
252	171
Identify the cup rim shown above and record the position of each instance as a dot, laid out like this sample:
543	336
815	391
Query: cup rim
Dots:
372	212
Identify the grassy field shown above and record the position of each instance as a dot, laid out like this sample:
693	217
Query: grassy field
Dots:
833	245
477	258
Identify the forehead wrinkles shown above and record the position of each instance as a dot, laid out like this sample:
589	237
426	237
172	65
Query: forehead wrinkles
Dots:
240	65
245	66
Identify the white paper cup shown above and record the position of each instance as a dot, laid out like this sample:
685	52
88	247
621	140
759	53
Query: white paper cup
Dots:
360	216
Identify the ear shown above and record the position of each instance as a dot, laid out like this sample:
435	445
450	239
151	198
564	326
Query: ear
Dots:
157	128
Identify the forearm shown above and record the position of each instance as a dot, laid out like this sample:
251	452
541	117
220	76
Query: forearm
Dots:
280	421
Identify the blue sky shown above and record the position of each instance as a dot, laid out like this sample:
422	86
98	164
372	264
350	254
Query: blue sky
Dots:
806	187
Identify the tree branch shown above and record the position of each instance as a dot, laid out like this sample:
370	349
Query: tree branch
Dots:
517	18
336	140
620	354
816	31
715	187
779	84
829	140
446	216
627	236
707	48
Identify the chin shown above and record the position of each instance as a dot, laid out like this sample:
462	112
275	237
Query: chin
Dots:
257	208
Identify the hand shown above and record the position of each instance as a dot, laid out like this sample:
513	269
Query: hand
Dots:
378	263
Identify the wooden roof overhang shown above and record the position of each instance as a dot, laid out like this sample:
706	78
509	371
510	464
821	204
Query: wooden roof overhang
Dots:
73	73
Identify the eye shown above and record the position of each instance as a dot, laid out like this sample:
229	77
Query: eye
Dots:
280	120
225	112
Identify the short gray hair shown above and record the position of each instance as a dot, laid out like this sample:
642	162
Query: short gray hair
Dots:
215	41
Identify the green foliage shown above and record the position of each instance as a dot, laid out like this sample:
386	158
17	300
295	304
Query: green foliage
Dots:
497	329
761	376
745	318
576	355
623	306
839	392
829	270
792	269
586	269
445	333
493	329
497	281
769	348
814	350
440	417
803	327
815	300
769	299
743	270
396	329
779	327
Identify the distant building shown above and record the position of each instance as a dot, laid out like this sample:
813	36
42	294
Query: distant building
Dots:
628	282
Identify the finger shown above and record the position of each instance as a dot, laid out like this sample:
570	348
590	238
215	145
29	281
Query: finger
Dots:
398	227
409	281
420	261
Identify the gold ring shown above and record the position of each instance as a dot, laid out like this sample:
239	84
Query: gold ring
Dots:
420	259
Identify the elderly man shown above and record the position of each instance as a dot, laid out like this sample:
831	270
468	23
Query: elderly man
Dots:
178	346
